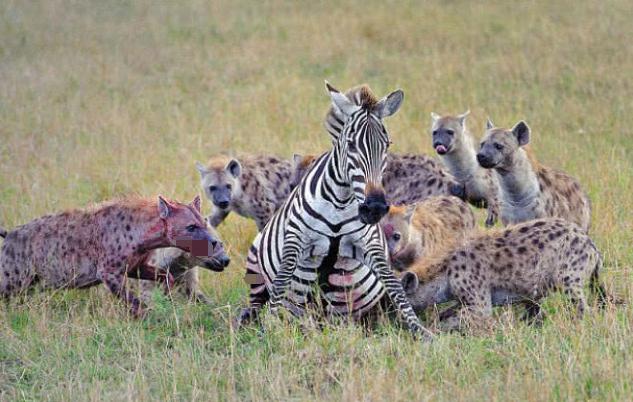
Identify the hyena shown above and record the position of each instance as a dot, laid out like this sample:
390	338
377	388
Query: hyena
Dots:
183	266
527	189
253	186
101	244
454	144
418	230
522	263
407	178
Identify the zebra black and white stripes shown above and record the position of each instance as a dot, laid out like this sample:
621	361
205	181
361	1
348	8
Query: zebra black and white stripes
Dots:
325	235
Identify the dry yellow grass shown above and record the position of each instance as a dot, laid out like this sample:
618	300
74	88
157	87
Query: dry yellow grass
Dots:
99	99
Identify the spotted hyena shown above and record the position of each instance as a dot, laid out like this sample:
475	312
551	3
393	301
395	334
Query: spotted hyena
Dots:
522	263
527	189
407	178
183	266
418	230
102	244
253	186
454	144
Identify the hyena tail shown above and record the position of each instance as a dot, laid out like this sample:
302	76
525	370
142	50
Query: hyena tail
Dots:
597	287
3	232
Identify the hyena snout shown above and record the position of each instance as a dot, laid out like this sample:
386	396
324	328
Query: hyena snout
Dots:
486	161
222	198
374	208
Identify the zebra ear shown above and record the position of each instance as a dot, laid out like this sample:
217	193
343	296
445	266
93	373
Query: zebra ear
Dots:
389	104
340	101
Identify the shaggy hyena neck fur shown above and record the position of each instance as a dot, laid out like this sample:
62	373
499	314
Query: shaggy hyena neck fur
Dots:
518	183
462	160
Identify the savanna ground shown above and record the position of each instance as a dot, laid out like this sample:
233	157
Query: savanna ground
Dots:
102	99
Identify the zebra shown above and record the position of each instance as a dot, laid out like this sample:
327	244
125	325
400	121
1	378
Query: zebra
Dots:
326	232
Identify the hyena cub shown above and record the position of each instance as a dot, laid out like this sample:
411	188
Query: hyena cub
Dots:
454	144
419	230
103	244
522	263
253	186
527	189
183	267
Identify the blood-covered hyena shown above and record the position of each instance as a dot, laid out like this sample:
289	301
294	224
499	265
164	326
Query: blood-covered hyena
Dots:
407	178
183	266
527	189
104	243
253	186
418	230
454	144
520	264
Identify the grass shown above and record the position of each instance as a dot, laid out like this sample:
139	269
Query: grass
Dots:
100	99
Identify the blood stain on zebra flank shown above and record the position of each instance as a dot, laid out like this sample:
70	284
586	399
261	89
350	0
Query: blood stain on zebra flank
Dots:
325	235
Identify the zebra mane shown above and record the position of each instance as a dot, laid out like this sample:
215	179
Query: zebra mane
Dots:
362	96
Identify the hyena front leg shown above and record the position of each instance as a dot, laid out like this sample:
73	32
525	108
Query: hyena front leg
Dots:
218	216
113	277
375	259
476	310
151	273
192	286
493	211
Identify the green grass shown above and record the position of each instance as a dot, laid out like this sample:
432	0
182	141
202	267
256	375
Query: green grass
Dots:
100	99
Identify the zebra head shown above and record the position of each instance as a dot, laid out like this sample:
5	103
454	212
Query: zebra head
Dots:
361	145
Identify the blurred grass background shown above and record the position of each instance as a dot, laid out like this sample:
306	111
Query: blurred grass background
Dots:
102	99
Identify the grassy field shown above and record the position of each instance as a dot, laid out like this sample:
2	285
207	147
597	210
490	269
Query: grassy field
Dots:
101	99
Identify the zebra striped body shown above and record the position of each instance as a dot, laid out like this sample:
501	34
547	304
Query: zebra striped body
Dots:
326	236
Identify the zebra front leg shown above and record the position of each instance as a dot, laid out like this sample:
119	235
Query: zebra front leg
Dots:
377	262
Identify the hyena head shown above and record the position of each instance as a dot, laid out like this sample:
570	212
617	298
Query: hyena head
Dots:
396	227
300	166
185	228
220	180
217	259
361	146
447	132
499	145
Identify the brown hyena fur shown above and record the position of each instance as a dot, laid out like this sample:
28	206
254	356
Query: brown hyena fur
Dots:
105	244
522	263
454	144
253	186
527	189
183	267
407	178
419	230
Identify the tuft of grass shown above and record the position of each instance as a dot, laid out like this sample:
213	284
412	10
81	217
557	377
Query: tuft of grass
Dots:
101	99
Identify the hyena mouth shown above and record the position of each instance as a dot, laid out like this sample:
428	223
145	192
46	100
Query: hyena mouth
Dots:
441	149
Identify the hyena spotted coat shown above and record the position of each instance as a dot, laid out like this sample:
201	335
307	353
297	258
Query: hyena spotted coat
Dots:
527	189
102	244
253	186
419	230
454	144
522	263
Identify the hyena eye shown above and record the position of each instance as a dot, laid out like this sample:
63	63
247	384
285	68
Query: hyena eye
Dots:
450	132
498	146
434	132
228	186
396	236
191	228
212	188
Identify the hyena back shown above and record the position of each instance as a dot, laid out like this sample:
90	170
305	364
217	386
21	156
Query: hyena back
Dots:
454	144
522	263
527	189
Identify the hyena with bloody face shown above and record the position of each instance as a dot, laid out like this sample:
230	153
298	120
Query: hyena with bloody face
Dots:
520	264
253	186
419	230
183	266
105	244
527	189
454	144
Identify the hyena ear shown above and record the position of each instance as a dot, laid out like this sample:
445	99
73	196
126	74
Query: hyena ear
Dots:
435	117
195	204
389	104
462	117
340	101
201	169
164	207
489	124
409	211
234	168
522	132
297	159
409	282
